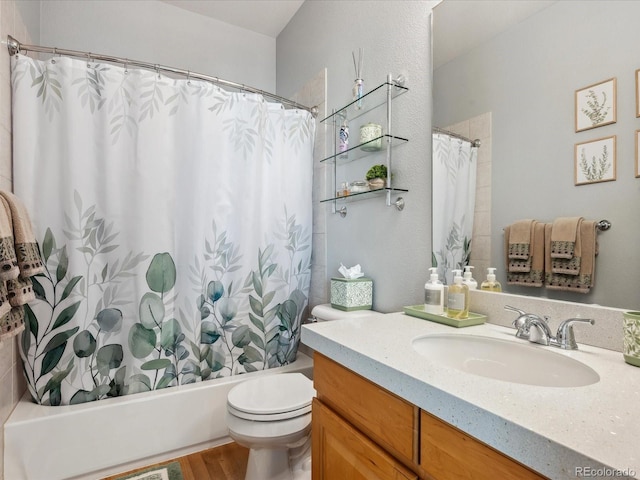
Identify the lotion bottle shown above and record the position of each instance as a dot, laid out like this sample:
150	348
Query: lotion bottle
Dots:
458	298
468	280
491	284
434	294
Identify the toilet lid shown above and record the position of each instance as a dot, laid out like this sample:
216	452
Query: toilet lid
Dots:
272	394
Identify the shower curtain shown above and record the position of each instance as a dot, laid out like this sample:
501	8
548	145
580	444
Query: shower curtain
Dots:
454	191
174	219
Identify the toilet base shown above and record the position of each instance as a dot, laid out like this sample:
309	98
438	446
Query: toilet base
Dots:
280	463
271	463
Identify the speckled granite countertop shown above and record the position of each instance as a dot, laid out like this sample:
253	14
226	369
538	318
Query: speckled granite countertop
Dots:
555	431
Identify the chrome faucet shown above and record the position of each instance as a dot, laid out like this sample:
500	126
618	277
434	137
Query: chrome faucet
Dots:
536	329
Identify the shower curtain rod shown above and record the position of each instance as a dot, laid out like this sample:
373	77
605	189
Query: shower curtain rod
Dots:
474	143
16	47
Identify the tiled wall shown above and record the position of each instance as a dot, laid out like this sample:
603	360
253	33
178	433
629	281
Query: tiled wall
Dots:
12	384
480	128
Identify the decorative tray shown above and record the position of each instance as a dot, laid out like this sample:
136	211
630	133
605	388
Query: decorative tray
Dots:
418	311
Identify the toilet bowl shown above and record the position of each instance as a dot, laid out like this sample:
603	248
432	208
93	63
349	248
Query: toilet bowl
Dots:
271	416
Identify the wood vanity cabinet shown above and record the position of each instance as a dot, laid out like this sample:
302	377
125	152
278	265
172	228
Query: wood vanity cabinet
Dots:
362	431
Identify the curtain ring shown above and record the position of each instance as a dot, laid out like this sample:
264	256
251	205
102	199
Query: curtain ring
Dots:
126	66
89	58
188	77
53	60
157	69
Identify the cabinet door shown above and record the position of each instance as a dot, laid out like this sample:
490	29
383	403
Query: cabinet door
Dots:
342	452
388	420
447	453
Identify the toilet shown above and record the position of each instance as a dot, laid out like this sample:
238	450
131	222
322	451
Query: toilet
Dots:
271	415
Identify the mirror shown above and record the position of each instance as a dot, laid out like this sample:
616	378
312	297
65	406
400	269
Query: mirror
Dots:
522	63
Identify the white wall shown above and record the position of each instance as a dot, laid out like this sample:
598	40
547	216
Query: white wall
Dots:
394	248
526	77
156	32
20	19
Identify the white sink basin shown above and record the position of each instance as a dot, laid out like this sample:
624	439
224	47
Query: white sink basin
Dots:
505	360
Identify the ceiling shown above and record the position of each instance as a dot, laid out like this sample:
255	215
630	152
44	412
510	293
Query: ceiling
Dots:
459	25
268	17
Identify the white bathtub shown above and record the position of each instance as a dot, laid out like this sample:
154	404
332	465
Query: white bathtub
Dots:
97	439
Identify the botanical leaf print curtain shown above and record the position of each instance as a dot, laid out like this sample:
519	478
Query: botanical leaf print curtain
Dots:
454	192
175	222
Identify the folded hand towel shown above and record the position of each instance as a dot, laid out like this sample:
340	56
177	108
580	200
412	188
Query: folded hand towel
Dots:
563	236
535	276
569	266
585	280
520	234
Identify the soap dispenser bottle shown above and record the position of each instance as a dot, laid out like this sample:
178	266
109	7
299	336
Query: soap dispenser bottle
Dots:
434	294
491	284
458	298
468	280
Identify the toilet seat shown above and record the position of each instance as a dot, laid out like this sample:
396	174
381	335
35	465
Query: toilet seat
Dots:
271	398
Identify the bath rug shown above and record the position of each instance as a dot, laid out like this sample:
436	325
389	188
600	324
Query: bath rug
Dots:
168	471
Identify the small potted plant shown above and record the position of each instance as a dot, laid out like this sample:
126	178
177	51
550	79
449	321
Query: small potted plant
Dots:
377	176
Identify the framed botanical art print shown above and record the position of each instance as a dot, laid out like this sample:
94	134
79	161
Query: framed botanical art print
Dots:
596	105
595	161
637	144
638	93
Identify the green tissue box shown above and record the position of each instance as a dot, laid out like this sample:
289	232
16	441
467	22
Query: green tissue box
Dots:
352	294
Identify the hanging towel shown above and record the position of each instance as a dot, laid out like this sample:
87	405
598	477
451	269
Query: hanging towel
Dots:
585	280
19	260
519	238
26	248
12	323
8	262
535	276
520	246
563	236
20	291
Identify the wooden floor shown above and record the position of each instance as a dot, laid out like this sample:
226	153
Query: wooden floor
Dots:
227	462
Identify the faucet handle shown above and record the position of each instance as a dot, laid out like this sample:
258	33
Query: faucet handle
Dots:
565	336
514	309
520	322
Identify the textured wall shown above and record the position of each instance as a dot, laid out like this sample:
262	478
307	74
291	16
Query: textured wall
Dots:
157	32
393	248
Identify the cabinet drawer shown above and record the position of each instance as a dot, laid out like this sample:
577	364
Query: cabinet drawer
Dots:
448	453
387	419
342	452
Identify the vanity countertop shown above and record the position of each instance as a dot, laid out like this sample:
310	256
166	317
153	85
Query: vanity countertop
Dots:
552	430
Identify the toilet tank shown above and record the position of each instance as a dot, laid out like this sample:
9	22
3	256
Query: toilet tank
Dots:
325	312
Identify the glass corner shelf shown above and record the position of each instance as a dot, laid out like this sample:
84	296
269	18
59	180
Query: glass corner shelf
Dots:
362	195
368	101
361	149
